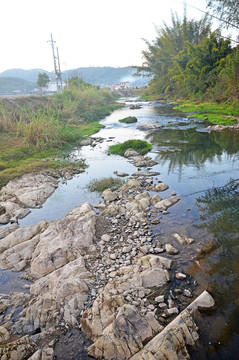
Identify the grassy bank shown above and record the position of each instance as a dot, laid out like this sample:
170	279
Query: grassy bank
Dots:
221	114
36	131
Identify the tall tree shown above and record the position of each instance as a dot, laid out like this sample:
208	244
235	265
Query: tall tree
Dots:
43	80
228	11
170	40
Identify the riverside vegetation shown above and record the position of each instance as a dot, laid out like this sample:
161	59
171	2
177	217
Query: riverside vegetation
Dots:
34	131
196	67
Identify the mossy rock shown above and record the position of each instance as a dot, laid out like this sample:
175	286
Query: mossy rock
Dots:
129	120
141	146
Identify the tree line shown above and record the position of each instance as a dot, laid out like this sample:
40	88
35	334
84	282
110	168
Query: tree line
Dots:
187	59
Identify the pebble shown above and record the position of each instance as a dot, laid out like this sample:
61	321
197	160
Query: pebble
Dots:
159	299
173	310
187	293
180	276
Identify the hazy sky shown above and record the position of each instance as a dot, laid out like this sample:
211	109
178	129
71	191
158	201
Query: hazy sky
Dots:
87	32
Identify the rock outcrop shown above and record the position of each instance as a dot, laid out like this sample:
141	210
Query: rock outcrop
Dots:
29	191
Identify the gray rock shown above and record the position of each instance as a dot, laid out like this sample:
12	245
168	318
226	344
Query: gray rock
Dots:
170	249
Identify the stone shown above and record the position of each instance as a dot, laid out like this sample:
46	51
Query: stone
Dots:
120	174
146	127
166	203
155	278
159	299
170	249
109	195
106	237
182	239
130	153
20	349
124	337
4	334
173	340
180	276
145	173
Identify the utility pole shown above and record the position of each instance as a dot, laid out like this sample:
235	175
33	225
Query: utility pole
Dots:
57	68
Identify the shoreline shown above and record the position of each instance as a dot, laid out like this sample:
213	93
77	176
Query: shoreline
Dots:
118	238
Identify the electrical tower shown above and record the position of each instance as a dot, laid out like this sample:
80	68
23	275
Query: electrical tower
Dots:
57	68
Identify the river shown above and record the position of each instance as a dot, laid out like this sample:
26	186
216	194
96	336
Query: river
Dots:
202	168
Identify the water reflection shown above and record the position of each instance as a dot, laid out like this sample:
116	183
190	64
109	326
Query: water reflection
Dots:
219	209
190	147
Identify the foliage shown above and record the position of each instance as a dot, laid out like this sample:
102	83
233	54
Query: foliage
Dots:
141	146
129	120
227	10
188	60
170	40
43	80
100	185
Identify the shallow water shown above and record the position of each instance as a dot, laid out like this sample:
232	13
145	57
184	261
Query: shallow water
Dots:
197	165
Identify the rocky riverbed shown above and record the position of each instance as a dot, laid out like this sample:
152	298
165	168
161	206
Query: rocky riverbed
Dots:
101	270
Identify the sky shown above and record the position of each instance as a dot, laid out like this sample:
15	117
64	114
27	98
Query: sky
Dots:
87	32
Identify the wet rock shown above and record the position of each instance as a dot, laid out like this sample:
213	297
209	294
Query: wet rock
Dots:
187	293
182	239
143	161
159	187
29	191
125	336
173	340
180	276
145	173
130	153
146	127
165	204
170	249
120	173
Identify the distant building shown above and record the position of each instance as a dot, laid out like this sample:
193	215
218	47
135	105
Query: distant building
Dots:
121	86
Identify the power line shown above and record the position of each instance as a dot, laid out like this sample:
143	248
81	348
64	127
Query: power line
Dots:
206	12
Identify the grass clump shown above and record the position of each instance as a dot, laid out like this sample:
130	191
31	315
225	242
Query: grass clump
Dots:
129	120
100	185
141	146
220	114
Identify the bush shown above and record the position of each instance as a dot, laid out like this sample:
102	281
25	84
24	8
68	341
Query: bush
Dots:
141	146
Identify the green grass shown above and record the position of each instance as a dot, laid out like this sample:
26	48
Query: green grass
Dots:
222	114
100	185
141	146
216	118
129	120
35	131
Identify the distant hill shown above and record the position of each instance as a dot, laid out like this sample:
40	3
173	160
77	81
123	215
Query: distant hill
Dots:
96	75
9	85
28	75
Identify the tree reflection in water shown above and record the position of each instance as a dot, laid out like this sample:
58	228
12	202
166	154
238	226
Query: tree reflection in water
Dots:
191	147
219	208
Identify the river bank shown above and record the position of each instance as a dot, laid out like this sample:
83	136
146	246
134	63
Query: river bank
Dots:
92	269
172	147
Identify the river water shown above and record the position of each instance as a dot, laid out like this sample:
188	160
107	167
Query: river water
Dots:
203	169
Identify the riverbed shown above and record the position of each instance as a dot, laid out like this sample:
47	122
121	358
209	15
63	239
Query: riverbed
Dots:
202	168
